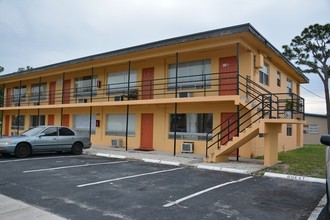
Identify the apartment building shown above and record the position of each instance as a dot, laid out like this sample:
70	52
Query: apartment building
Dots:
220	93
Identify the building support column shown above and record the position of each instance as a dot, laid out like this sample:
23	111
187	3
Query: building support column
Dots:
237	92
18	119
91	100
127	107
176	104
63	78
271	143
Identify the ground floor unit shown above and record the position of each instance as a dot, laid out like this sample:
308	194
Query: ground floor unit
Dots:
168	127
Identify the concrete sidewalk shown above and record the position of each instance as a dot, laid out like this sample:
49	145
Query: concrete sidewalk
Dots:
247	166
16	210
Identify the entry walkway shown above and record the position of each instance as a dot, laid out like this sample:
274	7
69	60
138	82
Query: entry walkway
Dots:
247	166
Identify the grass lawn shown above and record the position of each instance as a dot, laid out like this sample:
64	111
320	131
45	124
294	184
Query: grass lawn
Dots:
306	161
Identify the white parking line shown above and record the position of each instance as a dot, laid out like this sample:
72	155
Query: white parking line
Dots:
204	191
74	166
39	158
128	177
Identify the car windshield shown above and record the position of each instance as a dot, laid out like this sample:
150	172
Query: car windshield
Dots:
33	131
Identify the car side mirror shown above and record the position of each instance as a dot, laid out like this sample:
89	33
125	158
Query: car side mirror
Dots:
325	139
41	135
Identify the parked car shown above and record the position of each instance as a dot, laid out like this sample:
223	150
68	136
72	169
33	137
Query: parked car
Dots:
325	139
45	139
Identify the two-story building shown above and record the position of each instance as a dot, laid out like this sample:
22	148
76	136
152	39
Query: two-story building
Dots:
207	93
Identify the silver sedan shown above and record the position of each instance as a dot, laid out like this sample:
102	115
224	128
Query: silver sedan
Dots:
45	139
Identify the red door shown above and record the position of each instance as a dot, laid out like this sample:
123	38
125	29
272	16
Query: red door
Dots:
7	118
52	92
147	128
228	76
51	120
66	91
66	120
148	83
8	97
226	129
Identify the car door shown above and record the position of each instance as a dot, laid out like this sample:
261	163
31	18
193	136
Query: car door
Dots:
66	138
47	140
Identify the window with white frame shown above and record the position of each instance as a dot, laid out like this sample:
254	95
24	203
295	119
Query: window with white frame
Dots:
36	121
84	85
191	126
289	130
289	86
191	75
19	94
313	129
264	74
81	123
118	82
278	79
17	122
38	92
116	124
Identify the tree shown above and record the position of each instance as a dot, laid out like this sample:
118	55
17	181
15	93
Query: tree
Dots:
311	51
21	69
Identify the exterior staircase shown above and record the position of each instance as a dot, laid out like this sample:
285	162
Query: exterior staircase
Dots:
244	125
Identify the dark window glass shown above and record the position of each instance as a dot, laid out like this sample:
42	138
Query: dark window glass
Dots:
66	132
52	131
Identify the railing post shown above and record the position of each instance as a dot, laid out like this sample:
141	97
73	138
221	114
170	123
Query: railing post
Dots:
206	144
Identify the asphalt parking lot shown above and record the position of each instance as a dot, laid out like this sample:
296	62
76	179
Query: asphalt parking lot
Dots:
90	187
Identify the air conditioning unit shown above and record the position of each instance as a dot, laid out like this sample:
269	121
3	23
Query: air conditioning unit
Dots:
116	142
35	103
119	98
82	100
185	94
259	61
187	147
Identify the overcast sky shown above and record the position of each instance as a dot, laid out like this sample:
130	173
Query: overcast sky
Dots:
42	32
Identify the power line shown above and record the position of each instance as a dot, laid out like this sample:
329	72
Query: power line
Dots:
312	92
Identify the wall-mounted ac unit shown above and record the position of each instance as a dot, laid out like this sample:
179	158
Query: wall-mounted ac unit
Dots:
82	100
187	147
119	98
185	94
116	142
259	61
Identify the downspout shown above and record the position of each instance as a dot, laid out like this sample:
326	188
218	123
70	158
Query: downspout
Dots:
176	104
127	107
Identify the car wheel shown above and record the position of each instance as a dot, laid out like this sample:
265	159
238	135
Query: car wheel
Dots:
77	148
22	150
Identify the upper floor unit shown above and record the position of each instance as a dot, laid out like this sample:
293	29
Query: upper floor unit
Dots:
216	65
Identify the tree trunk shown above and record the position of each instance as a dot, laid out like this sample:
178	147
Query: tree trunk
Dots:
327	102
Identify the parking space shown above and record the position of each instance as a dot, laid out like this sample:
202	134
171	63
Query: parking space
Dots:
86	187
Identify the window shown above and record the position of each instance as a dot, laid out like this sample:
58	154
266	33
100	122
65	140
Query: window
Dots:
116	125
52	131
289	130
289	86
278	79
264	74
81	123
313	129
38	92
17	122
19	94
191	75
118	82
83	86
66	132
36	121
191	126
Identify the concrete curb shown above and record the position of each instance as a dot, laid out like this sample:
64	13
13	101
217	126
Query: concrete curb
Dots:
111	155
172	163
294	177
224	169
